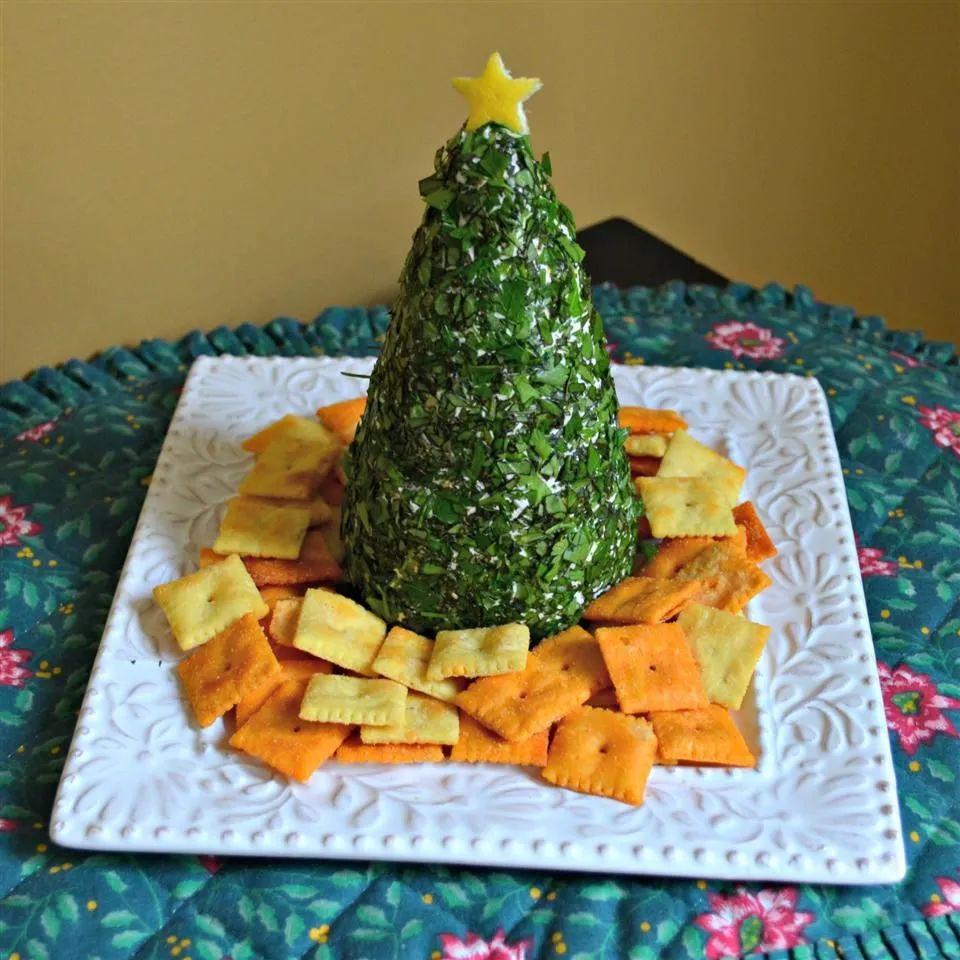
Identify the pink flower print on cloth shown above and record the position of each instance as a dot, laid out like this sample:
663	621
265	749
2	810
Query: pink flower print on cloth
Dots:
14	523
33	434
948	899
476	948
944	424
914	707
11	673
753	922
745	340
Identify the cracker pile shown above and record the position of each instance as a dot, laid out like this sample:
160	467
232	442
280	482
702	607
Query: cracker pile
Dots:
310	675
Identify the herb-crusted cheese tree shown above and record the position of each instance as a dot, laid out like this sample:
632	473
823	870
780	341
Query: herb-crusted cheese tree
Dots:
488	481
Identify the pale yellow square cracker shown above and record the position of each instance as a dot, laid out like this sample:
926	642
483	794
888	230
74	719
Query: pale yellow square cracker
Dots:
425	721
337	629
202	604
686	457
686	507
290	427
646	444
404	656
254	528
727	647
480	651
331	698
321	512
289	468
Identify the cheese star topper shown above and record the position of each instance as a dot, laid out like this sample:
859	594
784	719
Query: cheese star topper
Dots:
496	97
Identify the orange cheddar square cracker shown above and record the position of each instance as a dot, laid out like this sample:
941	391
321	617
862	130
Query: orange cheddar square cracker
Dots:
574	655
759	545
640	600
705	736
354	750
290	427
234	663
652	668
727	579
200	605
604	753
519	705
278	736
645	420
343	418
301	670
477	744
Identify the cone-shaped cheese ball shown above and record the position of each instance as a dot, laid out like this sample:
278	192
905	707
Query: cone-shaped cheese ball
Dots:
488	481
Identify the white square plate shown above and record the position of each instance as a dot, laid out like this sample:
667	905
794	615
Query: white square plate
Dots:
821	806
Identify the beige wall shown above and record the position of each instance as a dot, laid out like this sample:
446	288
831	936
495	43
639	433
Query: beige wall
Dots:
176	165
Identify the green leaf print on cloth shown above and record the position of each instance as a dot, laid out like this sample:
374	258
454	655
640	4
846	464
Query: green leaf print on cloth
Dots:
77	448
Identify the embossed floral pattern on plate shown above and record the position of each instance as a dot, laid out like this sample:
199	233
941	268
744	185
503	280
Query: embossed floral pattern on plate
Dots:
821	805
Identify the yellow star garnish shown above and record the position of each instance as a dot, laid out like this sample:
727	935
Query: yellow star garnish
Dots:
495	97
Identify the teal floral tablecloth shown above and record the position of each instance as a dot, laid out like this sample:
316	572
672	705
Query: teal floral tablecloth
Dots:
77	447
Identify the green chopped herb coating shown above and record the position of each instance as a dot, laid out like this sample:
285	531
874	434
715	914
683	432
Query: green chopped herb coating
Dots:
488	481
